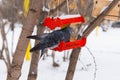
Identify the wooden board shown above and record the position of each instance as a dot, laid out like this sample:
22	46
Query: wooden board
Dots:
100	5
114	13
113	18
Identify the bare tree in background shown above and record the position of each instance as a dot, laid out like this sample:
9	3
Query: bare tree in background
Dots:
8	11
32	19
4	14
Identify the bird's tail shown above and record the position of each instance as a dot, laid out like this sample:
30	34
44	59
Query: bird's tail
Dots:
38	37
36	47
34	37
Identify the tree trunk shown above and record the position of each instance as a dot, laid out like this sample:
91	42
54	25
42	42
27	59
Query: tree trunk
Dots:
75	53
35	59
34	66
73	62
34	13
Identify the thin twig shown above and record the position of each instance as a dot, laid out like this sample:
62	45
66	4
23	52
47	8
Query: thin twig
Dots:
95	72
5	45
2	57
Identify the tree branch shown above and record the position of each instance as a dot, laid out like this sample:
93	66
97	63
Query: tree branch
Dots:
99	19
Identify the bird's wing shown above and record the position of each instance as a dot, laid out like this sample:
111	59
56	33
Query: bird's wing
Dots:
38	37
39	46
54	46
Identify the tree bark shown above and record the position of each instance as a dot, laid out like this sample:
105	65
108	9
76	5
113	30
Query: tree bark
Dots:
75	53
34	13
73	62
35	59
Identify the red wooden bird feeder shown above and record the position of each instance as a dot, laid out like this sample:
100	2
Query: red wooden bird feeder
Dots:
52	23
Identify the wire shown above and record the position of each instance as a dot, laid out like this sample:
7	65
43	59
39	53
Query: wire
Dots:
95	72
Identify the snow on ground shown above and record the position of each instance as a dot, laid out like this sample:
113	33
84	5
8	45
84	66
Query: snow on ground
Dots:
107	54
104	47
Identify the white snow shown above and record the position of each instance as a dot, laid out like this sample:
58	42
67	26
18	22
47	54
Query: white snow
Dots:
105	48
45	9
69	16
